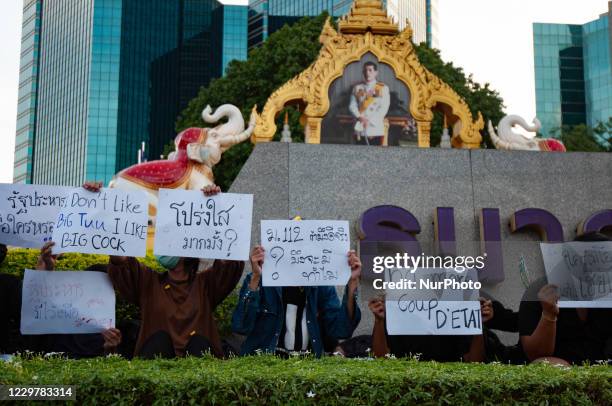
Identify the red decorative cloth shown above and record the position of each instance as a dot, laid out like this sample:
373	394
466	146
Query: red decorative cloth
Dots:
551	144
166	173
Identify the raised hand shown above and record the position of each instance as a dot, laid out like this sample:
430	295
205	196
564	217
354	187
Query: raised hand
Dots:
46	261
257	258
355	265
112	339
549	299
377	306
211	190
94	187
486	309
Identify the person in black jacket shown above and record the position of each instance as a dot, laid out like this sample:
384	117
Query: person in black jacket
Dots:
10	307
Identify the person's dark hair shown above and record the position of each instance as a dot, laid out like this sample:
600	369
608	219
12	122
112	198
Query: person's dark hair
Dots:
370	63
191	266
592	237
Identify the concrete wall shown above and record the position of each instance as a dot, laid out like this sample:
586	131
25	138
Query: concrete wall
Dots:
342	181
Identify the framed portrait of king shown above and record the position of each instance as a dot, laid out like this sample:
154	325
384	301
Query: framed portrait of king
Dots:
369	105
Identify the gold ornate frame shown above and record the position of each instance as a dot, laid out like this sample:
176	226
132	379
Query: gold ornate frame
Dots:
368	29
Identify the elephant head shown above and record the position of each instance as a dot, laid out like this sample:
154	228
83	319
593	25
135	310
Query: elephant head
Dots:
222	137
508	139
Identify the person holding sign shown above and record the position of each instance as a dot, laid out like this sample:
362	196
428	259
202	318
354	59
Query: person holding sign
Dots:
283	320
75	345
177	305
429	347
10	305
567	335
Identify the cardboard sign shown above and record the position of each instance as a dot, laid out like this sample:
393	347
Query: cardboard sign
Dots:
190	224
305	253
112	222
56	302
28	213
419	317
582	271
432	301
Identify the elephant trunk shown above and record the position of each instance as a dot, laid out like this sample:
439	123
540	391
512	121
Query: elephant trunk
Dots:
235	122
506	125
231	140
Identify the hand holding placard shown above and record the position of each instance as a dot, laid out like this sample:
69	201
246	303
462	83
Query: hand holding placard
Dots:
109	221
67	302
582	271
305	253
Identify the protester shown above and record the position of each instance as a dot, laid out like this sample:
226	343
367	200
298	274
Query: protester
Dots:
568	335
426	347
177	305
73	345
10	306
283	320
496	317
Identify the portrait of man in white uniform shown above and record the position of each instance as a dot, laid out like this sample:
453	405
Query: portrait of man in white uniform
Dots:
369	104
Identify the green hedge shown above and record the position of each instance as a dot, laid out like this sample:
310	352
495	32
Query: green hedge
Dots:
266	379
17	260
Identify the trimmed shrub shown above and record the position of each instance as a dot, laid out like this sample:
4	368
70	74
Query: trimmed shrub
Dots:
329	381
17	260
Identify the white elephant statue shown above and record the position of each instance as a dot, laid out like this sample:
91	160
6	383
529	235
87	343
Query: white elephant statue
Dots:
507	139
198	150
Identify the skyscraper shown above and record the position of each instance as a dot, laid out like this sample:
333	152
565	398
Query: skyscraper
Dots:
573	73
28	86
230	28
99	77
268	16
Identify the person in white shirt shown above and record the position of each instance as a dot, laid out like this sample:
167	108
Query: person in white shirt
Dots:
369	104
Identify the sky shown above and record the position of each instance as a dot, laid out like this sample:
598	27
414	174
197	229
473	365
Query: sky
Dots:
492	39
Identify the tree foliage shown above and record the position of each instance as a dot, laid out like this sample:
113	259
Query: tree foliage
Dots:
285	54
586	139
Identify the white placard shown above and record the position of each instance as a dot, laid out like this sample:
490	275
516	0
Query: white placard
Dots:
432	301
431	317
56	302
190	224
305	253
28	213
582	271
112	222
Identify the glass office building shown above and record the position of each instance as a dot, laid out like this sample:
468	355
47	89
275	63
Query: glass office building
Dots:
597	40
100	77
573	73
230	25
28	91
268	16
559	75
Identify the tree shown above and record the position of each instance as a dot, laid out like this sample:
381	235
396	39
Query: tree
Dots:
478	97
285	54
603	133
585	139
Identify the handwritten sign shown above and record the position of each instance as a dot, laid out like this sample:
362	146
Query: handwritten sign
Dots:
582	271
433	318
305	253
190	224
112	222
28	213
69	302
432	301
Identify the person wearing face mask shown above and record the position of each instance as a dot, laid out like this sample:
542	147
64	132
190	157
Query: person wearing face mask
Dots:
177	305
